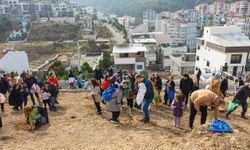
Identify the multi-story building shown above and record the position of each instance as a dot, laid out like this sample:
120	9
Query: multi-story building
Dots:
183	63
150	44
167	50
126	21
149	14
87	22
182	32
242	21
130	57
223	48
4	9
11	3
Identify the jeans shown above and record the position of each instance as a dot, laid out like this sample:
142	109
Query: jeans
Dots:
145	106
193	113
45	102
115	115
32	97
186	96
130	103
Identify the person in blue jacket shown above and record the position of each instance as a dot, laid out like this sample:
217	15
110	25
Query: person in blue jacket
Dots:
148	95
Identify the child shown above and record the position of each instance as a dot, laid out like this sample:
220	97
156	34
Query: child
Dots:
53	91
96	95
128	91
114	105
177	107
46	97
105	84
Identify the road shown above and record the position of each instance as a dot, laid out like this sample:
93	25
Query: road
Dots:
117	36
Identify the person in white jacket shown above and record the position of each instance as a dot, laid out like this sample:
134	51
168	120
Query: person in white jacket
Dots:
145	95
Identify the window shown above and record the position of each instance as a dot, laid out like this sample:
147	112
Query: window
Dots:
198	47
236	58
208	63
139	67
197	58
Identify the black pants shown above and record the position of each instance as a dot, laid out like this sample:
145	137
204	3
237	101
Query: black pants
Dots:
186	96
115	115
1	122
2	107
130	103
224	93
97	105
45	102
193	113
32	97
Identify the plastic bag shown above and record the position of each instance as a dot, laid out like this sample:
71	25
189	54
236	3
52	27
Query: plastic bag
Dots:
232	106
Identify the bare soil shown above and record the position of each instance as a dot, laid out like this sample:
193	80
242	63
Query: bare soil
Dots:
75	126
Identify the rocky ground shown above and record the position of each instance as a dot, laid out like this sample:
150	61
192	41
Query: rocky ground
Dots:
75	126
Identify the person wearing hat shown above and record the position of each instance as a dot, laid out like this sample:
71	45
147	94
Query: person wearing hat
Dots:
200	101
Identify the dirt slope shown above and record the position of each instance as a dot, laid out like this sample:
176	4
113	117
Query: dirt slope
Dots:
75	126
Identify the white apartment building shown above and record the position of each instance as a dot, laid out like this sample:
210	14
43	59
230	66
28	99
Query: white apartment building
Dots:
11	3
242	21
87	22
150	44
167	51
4	9
182	32
149	14
126	21
223	48
183	63
130	57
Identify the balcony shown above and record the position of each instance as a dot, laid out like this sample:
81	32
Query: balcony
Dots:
124	61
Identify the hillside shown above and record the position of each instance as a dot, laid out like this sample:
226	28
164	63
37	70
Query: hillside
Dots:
136	7
76	127
54	32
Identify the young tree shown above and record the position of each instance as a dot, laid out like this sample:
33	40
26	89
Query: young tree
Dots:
59	69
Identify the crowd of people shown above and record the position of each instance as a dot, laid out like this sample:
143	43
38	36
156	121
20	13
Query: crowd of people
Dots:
17	89
112	88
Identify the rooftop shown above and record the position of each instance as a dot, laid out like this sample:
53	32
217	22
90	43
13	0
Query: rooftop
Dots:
132	48
226	36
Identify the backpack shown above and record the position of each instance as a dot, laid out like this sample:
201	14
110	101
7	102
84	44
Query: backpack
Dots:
107	95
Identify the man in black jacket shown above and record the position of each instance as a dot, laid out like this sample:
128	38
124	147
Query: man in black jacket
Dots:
30	80
224	86
240	98
158	86
186	87
98	74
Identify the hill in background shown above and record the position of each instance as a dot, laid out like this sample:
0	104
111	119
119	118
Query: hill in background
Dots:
54	32
136	7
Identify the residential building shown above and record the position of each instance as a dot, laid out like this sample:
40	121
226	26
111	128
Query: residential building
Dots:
130	57
151	54
183	63
87	22
126	21
11	3
4	9
14	61
149	14
183	32
167	51
223	48
242	21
